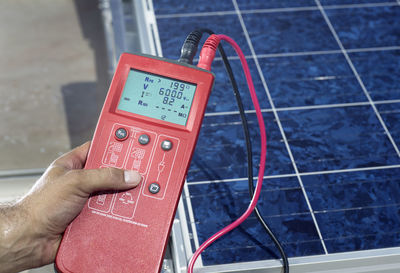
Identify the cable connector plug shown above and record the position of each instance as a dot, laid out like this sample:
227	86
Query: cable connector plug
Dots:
189	47
207	52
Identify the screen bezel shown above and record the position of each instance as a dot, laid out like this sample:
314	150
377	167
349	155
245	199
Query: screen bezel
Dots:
163	69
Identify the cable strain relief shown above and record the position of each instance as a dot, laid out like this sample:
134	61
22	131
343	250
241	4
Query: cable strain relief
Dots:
194	37
207	53
212	42
189	48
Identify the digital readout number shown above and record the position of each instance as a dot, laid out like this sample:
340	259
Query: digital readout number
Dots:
171	94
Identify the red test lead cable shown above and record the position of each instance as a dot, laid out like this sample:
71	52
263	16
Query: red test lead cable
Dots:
207	55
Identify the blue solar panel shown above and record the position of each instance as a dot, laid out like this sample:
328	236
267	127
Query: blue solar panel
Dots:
327	77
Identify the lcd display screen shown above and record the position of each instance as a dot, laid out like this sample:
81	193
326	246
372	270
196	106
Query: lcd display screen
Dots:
157	97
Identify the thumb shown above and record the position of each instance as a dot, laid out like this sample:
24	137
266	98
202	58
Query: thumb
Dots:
105	179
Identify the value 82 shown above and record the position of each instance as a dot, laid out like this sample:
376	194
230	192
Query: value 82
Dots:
170	95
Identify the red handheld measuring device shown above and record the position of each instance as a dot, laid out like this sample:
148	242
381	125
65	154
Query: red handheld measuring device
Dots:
150	123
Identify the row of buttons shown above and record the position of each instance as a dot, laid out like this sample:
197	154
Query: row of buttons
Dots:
121	134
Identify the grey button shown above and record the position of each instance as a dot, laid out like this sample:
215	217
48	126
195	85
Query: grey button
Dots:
154	188
166	145
121	134
144	139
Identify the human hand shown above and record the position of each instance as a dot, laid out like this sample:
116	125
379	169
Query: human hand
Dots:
33	229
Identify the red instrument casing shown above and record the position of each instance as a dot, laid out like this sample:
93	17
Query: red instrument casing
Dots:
128	231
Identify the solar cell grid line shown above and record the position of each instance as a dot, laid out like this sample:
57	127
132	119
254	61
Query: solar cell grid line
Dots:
351	170
366	5
305	53
240	179
310	8
322	52
346	55
279	125
274	10
308	107
295	175
363	207
309	53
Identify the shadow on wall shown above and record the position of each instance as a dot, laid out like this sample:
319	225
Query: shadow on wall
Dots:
81	110
83	100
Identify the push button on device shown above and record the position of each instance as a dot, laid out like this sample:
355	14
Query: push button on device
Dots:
121	134
154	188
144	139
166	145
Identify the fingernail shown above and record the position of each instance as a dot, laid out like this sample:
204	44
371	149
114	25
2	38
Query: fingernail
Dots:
132	177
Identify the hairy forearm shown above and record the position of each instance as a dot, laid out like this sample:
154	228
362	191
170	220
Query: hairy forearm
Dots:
20	247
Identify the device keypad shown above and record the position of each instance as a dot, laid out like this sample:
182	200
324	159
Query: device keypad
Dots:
134	148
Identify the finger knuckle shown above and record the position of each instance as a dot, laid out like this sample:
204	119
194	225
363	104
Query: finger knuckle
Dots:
54	170
115	174
74	175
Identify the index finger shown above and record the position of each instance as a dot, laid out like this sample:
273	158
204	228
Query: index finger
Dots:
74	159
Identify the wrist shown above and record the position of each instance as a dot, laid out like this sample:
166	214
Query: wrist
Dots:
20	245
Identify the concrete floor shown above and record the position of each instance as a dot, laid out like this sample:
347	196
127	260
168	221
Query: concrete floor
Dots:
53	78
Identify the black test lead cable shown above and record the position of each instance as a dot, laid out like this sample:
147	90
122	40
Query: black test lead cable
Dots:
188	52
